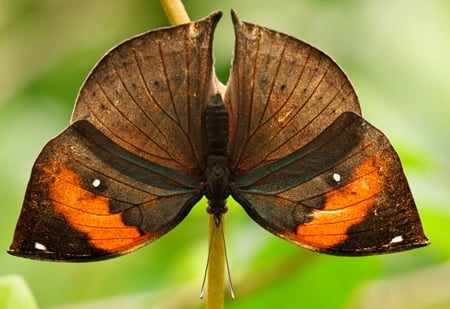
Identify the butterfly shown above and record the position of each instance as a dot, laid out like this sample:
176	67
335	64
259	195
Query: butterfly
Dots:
153	131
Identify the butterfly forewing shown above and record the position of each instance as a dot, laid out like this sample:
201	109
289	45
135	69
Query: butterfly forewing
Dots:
281	93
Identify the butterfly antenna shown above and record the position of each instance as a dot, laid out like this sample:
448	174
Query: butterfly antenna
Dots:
226	262
202	291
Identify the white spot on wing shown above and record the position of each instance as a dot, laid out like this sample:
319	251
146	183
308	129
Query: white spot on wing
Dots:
40	246
396	239
336	177
96	183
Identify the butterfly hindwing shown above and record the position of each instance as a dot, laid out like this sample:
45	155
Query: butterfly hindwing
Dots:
90	199
148	94
343	193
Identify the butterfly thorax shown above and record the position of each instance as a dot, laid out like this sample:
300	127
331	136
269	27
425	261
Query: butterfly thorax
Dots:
217	171
217	190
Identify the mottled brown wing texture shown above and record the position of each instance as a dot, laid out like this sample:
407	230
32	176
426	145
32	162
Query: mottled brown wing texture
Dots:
281	94
343	193
148	94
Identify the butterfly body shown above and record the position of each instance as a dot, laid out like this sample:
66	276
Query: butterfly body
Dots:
217	172
152	132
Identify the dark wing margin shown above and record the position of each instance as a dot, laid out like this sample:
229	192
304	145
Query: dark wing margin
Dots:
281	94
89	199
343	193
148	93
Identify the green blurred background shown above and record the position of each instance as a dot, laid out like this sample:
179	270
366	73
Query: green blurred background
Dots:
397	54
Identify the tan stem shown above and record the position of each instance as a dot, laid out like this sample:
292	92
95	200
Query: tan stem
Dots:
175	12
215	282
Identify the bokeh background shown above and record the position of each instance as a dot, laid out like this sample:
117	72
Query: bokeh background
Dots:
397	54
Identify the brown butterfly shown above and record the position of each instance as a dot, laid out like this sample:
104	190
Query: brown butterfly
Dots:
153	131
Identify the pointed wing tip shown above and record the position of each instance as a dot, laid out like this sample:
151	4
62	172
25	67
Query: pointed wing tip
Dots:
235	17
214	17
243	29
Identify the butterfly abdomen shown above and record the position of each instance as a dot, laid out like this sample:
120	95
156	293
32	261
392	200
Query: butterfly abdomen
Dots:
216	127
217	171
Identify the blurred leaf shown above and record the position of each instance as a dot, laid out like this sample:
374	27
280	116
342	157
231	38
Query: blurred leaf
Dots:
407	291
15	294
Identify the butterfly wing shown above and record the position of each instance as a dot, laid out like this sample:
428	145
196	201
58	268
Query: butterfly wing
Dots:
343	193
90	199
281	93
128	169
304	164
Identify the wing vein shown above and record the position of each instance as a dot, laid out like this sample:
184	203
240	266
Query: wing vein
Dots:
113	133
285	124
260	123
250	111
189	103
157	144
177	118
297	132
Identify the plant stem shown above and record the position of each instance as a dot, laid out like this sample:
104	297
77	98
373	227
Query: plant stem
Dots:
175	12
215	282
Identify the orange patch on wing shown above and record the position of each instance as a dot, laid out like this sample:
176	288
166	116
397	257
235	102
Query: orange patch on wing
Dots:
344	207
87	212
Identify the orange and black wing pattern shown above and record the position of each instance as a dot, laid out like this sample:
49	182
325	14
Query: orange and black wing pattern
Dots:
90	199
288	142
305	165
129	167
344	193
